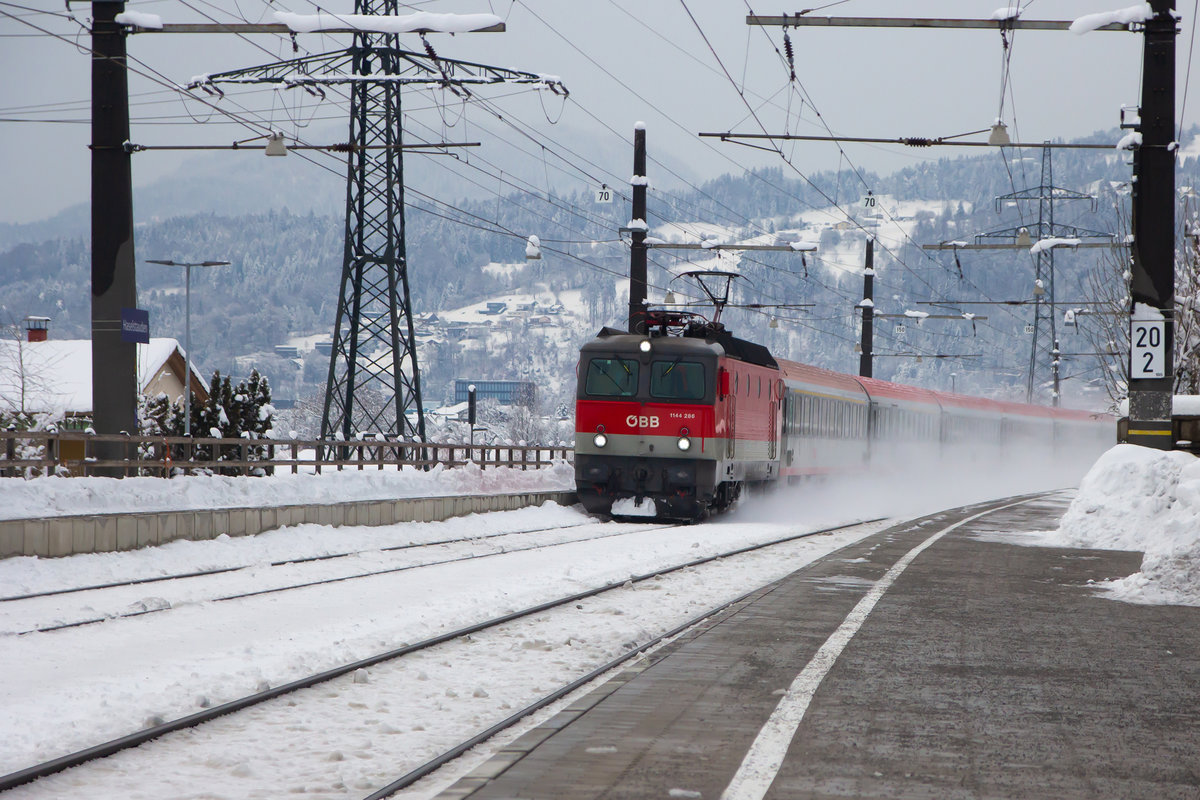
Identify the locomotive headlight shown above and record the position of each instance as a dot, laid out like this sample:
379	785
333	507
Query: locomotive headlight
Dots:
644	345
684	443
599	440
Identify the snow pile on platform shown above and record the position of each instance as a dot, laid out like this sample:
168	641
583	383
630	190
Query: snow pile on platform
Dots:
1138	498
53	497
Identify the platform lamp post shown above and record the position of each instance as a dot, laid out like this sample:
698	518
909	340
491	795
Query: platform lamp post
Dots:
187	331
471	414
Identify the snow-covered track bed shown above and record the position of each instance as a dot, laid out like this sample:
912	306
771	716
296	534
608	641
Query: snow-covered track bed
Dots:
359	698
203	573
90	605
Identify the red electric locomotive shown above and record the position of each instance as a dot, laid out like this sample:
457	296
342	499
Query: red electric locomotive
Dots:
673	426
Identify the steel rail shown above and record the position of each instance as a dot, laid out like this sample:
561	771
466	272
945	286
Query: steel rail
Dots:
439	761
339	579
138	738
305	560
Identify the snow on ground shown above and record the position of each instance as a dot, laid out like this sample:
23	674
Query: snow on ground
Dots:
53	497
1138	498
495	268
201	653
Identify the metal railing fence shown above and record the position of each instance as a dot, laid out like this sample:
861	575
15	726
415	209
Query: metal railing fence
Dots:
74	453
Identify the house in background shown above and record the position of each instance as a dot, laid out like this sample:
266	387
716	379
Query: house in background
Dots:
39	375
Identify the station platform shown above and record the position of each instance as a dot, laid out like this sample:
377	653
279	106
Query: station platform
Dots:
972	668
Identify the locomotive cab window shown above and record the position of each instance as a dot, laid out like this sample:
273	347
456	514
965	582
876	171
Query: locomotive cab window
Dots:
677	380
612	377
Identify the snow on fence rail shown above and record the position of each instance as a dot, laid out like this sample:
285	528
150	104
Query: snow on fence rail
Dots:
29	454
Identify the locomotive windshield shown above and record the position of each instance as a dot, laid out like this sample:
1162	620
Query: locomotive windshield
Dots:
677	380
612	377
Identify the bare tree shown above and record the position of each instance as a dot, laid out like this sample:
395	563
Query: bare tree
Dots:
23	379
1106	325
1187	302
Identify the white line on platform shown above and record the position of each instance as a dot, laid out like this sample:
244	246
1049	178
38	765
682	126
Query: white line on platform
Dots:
765	757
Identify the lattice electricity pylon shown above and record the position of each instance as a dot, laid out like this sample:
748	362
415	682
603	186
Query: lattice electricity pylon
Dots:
374	378
1042	352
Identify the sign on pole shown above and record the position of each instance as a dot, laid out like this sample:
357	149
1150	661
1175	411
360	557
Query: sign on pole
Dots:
1147	348
604	195
135	325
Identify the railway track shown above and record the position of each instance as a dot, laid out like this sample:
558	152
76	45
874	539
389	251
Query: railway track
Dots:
285	562
330	580
150	733
429	767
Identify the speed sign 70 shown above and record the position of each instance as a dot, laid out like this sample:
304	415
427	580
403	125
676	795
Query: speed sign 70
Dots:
1147	348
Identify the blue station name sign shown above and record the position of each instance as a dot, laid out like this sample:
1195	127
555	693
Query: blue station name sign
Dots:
135	325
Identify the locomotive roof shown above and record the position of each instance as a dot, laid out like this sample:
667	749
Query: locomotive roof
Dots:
743	350
720	342
613	340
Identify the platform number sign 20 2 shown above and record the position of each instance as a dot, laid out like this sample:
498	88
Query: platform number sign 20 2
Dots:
1147	348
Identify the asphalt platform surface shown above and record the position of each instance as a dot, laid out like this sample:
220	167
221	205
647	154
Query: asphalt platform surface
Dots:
984	669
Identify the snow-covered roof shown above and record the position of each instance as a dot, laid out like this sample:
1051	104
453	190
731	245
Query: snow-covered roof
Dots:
450	410
58	372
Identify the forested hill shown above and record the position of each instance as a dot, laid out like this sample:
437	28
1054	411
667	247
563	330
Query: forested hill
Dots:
286	266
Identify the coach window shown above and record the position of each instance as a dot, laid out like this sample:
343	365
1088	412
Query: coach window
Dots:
612	377
677	380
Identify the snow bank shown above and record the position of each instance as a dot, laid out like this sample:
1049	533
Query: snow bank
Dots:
53	497
1138	498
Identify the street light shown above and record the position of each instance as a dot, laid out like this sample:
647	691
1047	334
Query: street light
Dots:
187	340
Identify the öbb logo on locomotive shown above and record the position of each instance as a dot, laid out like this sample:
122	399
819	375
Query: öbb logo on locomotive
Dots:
727	413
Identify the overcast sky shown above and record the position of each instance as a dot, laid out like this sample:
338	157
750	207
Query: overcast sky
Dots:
623	61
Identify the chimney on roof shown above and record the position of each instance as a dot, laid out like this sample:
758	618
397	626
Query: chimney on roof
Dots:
37	329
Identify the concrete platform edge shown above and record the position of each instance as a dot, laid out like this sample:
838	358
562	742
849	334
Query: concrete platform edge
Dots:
104	533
